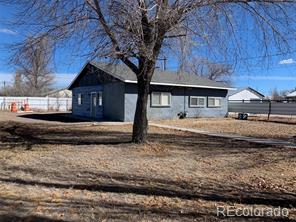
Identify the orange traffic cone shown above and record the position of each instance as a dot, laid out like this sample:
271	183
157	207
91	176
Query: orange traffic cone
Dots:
26	107
13	107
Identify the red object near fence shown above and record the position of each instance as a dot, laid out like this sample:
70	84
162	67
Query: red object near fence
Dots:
13	107
26	107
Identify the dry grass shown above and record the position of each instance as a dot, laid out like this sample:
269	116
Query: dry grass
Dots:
79	173
256	127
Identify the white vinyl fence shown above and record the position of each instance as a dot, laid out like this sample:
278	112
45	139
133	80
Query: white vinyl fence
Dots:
37	103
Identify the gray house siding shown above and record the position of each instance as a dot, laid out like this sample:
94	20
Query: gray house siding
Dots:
207	111
84	110
94	80
119	97
113	98
179	103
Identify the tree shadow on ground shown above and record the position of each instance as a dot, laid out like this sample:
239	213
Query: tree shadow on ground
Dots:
55	117
206	189
100	209
16	135
14	217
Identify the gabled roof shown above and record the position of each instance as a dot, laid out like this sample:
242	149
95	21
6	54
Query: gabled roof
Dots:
160	77
250	90
292	94
66	90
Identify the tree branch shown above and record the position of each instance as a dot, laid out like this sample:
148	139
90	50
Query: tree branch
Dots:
112	37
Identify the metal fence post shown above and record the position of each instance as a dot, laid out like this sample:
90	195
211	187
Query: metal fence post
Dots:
269	109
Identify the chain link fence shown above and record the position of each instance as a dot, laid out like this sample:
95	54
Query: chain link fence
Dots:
37	103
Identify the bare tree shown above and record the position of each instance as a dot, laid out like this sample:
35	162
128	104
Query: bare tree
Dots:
33	59
278	95
136	32
3	88
219	72
275	95
191	63
210	70
14	88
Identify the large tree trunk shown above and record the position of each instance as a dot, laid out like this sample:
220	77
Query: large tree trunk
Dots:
140	126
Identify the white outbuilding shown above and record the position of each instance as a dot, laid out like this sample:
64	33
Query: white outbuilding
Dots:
246	94
291	95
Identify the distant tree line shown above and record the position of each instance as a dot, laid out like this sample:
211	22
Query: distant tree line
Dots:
279	94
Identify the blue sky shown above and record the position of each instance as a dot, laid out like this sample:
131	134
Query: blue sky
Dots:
280	72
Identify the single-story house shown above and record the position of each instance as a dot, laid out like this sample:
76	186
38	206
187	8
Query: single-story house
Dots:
246	94
109	91
291	95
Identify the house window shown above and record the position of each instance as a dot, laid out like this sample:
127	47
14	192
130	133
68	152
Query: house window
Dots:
100	94
197	101
79	99
214	102
160	99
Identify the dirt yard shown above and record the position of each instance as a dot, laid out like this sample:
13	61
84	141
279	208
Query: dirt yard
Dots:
93	173
256	127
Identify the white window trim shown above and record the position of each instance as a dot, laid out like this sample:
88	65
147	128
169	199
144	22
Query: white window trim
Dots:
197	97
79	99
100	98
160	105
214	106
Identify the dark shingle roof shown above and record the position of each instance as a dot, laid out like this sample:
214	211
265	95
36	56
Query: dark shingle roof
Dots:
160	77
124	73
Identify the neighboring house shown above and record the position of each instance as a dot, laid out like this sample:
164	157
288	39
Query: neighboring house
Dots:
246	94
291	95
60	93
109	91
